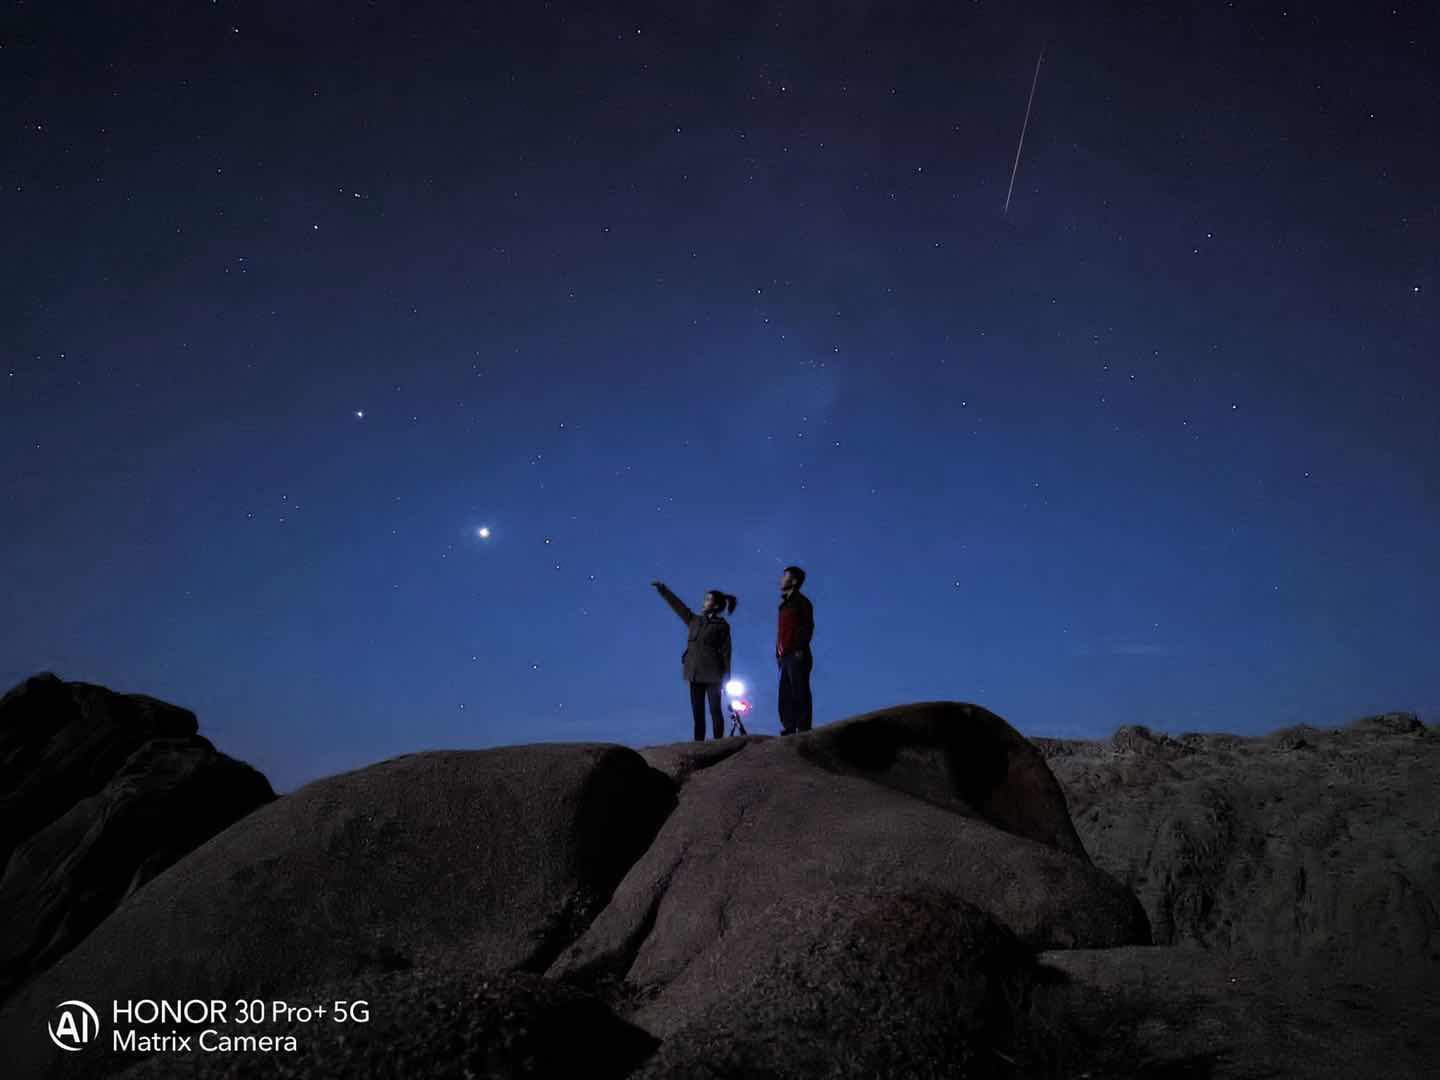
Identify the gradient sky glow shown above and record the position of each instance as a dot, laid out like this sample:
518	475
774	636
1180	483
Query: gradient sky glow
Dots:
297	297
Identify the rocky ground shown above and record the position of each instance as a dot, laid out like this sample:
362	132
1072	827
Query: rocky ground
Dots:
917	892
1292	884
1308	846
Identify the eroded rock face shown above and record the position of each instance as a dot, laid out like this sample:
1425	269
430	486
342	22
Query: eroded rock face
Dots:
931	798
62	741
101	792
1306	846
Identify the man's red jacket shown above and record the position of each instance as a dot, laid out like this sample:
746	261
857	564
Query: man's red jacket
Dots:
797	624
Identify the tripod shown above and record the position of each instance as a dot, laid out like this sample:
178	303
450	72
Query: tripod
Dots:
737	710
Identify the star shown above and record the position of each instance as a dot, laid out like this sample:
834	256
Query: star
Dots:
359	414
483	532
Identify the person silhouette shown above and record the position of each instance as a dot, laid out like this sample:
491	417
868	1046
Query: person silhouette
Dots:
705	663
792	653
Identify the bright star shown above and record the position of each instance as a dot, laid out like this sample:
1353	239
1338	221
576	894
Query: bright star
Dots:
483	532
359	414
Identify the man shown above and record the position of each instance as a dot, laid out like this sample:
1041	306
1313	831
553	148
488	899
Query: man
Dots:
792	652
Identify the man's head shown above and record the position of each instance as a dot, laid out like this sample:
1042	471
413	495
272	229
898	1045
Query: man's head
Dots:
791	579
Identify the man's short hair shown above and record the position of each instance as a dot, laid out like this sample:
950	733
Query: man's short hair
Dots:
799	574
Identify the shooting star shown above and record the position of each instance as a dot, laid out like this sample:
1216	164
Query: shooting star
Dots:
1023	127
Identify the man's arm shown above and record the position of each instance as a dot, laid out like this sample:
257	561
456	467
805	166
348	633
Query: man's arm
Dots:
785	632
725	653
807	624
685	614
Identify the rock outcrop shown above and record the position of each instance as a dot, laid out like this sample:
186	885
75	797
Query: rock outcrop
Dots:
99	793
943	797
894	870
918	892
1302	847
495	859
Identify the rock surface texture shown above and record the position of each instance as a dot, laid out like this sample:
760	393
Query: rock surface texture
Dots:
922	798
1302	847
1292	881
918	892
99	793
492	858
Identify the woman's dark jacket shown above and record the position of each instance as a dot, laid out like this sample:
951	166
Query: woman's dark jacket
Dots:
707	651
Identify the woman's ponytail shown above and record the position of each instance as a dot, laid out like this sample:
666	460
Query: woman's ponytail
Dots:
730	604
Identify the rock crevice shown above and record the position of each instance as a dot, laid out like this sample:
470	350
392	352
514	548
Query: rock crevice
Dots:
99	793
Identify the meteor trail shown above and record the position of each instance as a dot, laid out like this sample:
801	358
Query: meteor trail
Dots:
1016	167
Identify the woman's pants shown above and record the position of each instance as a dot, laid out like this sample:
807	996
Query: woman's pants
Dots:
699	691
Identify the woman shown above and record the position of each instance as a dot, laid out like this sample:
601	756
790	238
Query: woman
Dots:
705	664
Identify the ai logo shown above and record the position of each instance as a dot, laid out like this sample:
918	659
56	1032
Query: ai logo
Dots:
76	1026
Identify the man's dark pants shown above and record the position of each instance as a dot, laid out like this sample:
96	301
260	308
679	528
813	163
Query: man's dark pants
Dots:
796	705
698	693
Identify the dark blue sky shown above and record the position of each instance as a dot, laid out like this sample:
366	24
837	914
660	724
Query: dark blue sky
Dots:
694	295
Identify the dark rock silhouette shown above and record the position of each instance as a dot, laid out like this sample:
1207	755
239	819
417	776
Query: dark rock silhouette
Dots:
902	894
545	857
99	792
61	741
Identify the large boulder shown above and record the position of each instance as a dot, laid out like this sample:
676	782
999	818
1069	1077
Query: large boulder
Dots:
99	792
170	796
955	755
869	984
938	798
1307	847
866	899
62	741
497	858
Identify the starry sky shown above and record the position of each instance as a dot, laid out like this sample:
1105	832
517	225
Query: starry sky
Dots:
298	297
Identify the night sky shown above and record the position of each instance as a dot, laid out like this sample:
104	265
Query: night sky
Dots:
297	297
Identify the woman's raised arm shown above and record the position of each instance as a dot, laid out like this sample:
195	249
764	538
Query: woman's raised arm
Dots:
676	605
